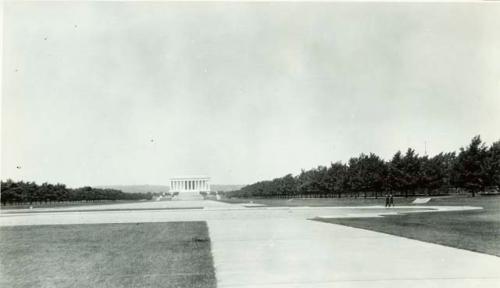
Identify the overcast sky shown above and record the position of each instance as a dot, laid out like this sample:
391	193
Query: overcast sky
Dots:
135	93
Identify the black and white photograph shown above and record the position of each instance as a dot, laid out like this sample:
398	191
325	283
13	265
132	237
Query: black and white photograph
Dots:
250	144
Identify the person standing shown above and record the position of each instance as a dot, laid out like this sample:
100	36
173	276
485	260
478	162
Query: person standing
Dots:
386	200
391	200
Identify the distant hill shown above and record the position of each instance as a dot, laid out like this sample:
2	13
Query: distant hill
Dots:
224	188
163	188
137	188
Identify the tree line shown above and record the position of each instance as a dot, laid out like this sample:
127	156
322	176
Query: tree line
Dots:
475	168
29	192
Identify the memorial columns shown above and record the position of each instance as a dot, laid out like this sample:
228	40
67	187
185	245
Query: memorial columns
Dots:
194	184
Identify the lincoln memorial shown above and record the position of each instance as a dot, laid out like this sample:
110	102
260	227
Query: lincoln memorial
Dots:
189	188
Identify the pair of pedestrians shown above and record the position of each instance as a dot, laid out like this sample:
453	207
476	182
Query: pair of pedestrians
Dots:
389	200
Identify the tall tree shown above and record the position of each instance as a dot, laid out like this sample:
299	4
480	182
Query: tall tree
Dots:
411	171
435	172
395	178
338	178
493	165
471	166
474	168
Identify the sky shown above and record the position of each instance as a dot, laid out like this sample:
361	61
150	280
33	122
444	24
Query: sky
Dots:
135	93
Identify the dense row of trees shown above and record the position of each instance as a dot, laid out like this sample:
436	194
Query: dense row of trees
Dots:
30	192
475	168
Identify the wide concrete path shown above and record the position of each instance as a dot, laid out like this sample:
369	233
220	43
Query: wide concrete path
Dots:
303	253
280	247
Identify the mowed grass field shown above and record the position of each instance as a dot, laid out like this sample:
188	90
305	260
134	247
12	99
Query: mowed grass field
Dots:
318	202
477	230
174	254
67	204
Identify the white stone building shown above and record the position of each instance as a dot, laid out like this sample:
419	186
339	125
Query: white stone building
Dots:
189	187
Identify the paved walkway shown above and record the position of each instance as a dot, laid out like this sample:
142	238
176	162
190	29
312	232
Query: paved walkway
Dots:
302	253
279	246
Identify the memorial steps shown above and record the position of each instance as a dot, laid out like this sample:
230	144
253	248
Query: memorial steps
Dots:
189	196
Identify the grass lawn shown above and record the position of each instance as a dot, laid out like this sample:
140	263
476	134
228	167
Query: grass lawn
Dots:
318	202
66	204
472	230
174	254
23	211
